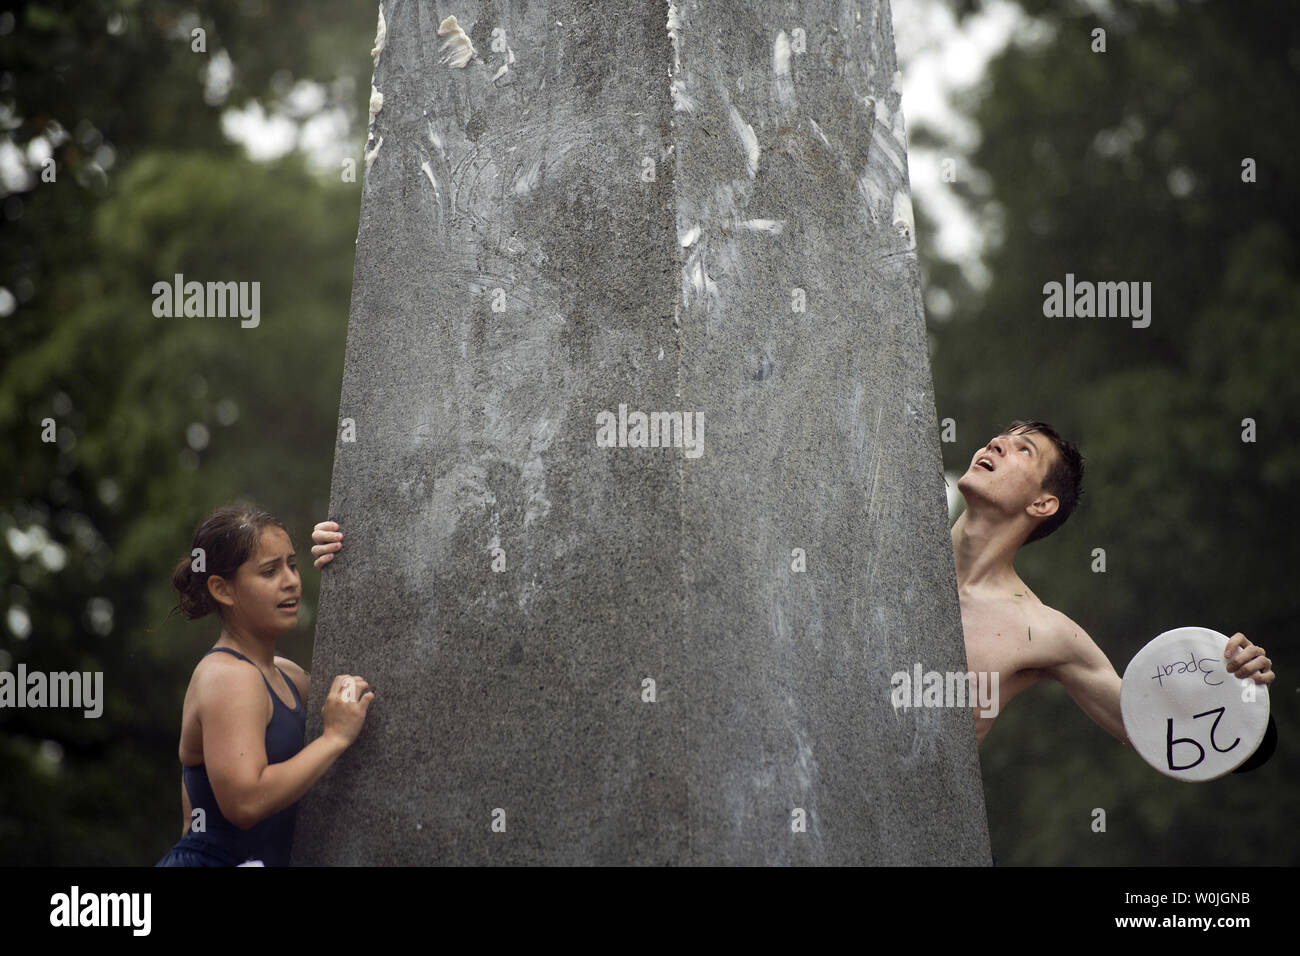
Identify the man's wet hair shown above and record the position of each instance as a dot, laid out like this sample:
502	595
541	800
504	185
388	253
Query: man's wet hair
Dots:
1064	479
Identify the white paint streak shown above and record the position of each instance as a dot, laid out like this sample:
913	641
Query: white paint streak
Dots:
462	50
689	236
381	36
770	226
747	139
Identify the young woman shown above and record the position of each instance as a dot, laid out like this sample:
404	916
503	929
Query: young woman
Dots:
242	755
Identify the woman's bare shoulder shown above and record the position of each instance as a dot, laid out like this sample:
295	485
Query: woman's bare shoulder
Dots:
296	674
223	674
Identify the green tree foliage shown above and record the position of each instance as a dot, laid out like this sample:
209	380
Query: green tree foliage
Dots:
158	420
1127	165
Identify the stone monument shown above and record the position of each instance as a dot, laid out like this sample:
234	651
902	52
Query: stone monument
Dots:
638	460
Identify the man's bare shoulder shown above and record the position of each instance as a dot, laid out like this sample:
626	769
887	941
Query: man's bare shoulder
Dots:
1065	642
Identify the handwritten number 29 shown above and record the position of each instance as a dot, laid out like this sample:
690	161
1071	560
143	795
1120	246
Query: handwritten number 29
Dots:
1173	741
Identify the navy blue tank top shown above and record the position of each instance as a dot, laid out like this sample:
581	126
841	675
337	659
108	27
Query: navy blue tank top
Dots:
270	839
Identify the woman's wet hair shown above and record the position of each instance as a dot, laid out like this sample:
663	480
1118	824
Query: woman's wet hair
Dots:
224	540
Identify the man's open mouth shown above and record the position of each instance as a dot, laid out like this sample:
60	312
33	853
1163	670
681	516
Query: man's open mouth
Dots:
984	461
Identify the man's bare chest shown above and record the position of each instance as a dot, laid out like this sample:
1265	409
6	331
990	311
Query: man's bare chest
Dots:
1013	637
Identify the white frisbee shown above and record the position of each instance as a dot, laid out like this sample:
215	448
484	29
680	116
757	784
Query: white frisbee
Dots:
1185	713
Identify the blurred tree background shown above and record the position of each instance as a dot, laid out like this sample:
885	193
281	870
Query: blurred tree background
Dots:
1123	165
159	421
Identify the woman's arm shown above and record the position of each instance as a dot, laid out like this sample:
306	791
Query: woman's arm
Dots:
232	708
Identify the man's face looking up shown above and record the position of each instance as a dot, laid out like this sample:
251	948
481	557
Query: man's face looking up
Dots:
1008	472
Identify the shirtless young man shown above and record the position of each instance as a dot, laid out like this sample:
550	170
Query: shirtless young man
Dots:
1021	487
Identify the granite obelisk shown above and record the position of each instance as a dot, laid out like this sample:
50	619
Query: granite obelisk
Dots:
638	459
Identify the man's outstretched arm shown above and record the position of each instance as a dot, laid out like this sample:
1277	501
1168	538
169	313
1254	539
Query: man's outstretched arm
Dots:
1087	674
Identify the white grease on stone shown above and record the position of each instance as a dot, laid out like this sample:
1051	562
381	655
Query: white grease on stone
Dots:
376	102
682	101
881	108
818	130
903	220
748	140
711	230
372	153
806	762
505	67
381	36
900	132
717	229
781	55
674	34
781	68
462	50
427	168
533	471
699	279
528	179
871	190
888	141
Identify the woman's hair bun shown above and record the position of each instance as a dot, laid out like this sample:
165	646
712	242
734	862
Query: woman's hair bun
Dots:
195	602
224	540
